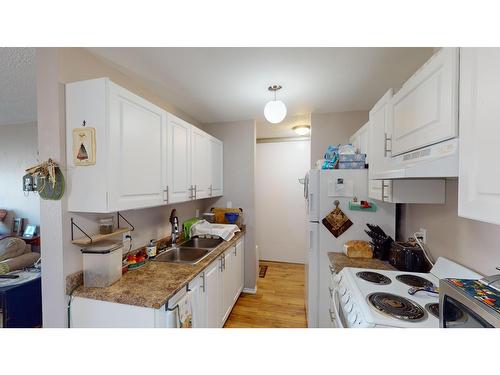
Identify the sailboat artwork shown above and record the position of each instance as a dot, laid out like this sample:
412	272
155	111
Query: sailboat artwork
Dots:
84	146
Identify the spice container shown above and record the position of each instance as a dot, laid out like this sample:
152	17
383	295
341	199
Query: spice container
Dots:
102	264
106	225
151	249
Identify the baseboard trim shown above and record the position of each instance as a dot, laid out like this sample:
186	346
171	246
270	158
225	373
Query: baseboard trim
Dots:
250	290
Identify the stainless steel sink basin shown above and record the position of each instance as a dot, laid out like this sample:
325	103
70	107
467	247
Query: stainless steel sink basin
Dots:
203	243
182	254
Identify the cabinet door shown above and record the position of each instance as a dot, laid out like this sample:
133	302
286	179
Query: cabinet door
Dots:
228	282
198	301
240	267
378	130
380	190
479	180
137	143
216	183
179	160
201	163
425	110
213	295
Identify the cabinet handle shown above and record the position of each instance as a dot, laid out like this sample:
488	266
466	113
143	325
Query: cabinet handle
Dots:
331	292
191	189
221	260
386	149
224	262
211	190
383	190
166	191
195	191
332	315
203	285
235	249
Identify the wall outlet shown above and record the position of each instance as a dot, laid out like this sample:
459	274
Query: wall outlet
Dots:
422	233
197	214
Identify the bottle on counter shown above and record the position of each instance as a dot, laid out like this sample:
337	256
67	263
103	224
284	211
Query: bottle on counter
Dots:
151	249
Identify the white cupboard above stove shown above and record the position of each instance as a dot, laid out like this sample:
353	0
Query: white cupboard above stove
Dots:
479	177
381	163
145	156
425	110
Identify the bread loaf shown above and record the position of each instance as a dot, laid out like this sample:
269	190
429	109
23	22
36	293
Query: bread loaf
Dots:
358	249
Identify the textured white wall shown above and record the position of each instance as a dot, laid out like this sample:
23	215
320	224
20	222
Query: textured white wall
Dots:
279	200
239	182
18	151
332	129
471	243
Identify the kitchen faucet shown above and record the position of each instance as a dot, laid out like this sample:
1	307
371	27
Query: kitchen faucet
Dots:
174	220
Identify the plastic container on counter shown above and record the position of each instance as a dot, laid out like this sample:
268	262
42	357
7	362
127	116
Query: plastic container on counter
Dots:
102	264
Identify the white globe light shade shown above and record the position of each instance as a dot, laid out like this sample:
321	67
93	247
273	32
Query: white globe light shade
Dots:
275	111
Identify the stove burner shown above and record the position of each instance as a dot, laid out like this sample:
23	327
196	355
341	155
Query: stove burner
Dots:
374	277
433	308
414	280
396	307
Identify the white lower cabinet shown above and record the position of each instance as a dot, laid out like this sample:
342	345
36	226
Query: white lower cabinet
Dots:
213	293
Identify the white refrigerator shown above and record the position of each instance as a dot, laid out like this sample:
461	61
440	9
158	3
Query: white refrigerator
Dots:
322	188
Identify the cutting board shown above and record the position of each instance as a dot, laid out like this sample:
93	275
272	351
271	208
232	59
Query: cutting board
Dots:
220	212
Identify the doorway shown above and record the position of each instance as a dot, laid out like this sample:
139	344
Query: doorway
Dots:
280	207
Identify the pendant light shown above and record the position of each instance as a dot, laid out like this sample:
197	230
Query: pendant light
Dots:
275	110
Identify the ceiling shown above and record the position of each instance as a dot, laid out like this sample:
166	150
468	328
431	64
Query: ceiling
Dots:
17	86
230	84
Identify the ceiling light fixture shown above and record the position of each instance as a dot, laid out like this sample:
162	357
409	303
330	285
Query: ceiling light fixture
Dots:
275	110
302	129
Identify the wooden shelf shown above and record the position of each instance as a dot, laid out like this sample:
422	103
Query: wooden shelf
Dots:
100	237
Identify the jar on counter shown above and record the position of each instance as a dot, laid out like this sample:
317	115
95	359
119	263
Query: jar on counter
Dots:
151	249
106	225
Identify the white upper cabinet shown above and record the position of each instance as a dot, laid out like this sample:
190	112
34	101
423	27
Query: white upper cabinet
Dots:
201	163
130	148
179	160
479	179
360	139
144	156
425	110
379	156
137	149
217	167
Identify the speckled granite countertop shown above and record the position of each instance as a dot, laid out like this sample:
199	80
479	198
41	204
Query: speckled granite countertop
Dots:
155	283
340	260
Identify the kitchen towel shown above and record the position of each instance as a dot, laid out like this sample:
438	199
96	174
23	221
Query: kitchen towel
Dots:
185	311
224	231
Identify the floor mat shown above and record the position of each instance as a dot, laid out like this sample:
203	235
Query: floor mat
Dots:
262	271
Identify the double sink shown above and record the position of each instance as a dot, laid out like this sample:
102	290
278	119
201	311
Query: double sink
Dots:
191	251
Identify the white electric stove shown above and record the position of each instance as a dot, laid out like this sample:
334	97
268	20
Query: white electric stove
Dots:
367	298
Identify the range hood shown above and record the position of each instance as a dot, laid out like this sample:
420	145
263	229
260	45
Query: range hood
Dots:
436	161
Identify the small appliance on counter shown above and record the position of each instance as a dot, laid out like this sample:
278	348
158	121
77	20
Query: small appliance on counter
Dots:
406	256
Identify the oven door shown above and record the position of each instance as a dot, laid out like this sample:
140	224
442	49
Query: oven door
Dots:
338	312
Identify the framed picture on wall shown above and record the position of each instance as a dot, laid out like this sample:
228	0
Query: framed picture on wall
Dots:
17	226
30	231
84	144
